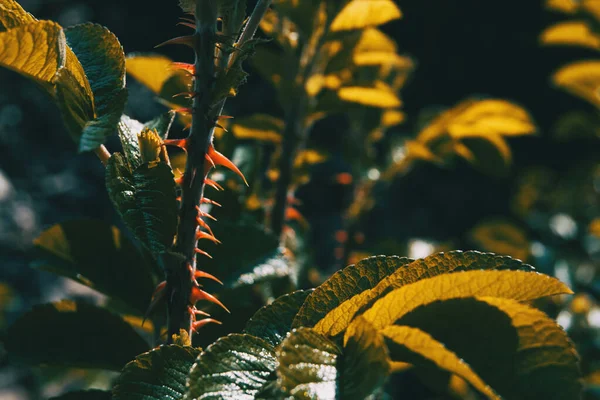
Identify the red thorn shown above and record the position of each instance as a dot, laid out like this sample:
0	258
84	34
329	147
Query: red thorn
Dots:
221	127
184	110
199	324
188	24
184	66
204	235
204	214
204	225
224	117
206	200
198	251
199	294
194	311
179	181
157	296
178	198
182	143
187	127
213	184
188	95
209	165
220	159
160	288
185	40
202	274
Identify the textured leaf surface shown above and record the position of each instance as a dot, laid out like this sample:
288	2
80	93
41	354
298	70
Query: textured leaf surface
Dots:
129	129
517	350
13	15
337	320
234	367
85	395
156	375
273	322
359	14
421	343
103	61
345	284
74	334
151	70
517	285
308	365
146	200
97	255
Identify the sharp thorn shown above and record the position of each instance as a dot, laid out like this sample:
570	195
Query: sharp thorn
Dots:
182	143
205	226
221	127
206	275
184	110
185	40
188	24
206	200
213	184
205	235
198	251
199	294
220	159
199	324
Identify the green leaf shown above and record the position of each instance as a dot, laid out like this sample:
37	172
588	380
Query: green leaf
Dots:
359	14
35	50
454	261
234	367
345	284
161	124
75	103
365	361
13	15
308	365
103	61
517	350
146	200
93	394
516	285
156	375
423	345
97	255
273	322
74	334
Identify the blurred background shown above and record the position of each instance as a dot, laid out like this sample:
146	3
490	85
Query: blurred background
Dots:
544	209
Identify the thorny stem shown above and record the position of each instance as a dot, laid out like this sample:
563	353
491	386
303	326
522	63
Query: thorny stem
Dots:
198	141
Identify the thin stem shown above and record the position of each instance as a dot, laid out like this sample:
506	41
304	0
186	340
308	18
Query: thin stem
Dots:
103	154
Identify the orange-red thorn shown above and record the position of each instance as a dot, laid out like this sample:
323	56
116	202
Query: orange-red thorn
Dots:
179	181
199	324
206	200
221	127
188	95
198	251
224	117
199	294
188	24
202	274
205	235
182	143
220	159
194	311
185	40
184	66
184	110
204	225
213	184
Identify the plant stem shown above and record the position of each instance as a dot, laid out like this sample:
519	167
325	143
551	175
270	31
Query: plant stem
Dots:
198	141
102	153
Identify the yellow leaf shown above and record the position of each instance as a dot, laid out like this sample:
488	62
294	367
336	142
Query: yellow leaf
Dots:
35	50
370	96
423	344
517	285
580	78
501	237
573	33
261	127
359	14
566	6
594	227
314	84
13	15
374	40
151	146
419	151
392	117
150	70
309	157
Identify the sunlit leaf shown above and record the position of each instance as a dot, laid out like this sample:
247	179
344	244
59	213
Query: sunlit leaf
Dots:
93	394
581	78
242	364
273	322
156	375
516	285
261	127
370	96
337	318
501	237
129	129
151	70
421	343
146	200
97	255
345	284
571	33
392	117
359	14
75	334
13	15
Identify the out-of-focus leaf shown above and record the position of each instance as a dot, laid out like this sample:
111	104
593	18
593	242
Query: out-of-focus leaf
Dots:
156	375
74	334
345	284
93	394
581	78
366	363
308	365
101	55
242	364
392	117
261	127
151	70
273	322
525	354
594	227
571	33
359	14
97	255
161	124
13	15
379	97
501	237
516	285
421	343
338	318
146	200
